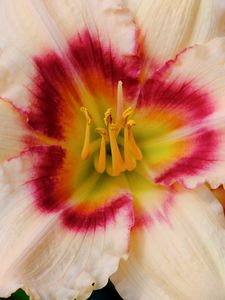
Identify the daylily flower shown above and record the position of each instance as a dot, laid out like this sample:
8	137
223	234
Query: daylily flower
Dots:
108	153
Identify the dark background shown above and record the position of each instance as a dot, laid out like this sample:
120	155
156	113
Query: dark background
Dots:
107	293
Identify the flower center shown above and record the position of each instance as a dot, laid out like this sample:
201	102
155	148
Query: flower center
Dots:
116	137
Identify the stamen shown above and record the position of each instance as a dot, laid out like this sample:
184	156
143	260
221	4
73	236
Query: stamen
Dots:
130	162
119	100
86	147
133	145
101	164
127	113
117	161
108	117
111	134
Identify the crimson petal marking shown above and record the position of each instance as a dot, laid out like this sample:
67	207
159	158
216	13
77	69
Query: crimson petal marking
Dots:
56	91
50	25
49	192
203	156
53	96
193	105
94	62
52	192
80	220
184	97
188	91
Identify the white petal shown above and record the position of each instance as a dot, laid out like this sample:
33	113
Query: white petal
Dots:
32	28
177	257
133	5
21	223
13	131
170	26
190	88
40	255
21	37
108	19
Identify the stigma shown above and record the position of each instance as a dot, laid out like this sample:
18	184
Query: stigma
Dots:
118	151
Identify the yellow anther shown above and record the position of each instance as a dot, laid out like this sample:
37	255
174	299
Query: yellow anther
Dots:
123	120
86	147
132	143
108	117
128	112
117	161
131	123
86	114
101	164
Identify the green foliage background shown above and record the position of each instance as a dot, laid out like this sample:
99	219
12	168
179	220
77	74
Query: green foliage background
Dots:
107	293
